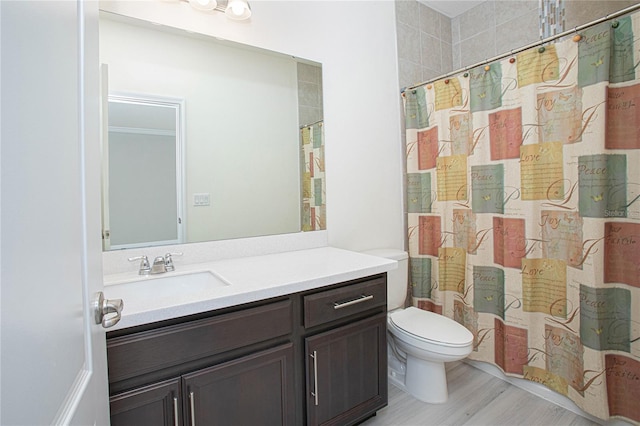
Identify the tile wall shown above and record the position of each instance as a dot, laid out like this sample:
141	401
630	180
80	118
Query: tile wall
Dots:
579	12
309	93
493	28
431	44
424	42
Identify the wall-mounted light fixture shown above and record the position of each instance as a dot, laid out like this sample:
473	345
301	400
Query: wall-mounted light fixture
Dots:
234	9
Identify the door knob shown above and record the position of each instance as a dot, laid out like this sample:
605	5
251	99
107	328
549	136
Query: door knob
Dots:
103	307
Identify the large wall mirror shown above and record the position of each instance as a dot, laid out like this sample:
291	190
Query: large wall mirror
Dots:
230	159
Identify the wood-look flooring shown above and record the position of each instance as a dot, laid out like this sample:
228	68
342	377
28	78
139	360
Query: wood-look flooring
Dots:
476	398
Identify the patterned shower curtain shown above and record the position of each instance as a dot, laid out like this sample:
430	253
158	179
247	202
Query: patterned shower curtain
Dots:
314	207
523	201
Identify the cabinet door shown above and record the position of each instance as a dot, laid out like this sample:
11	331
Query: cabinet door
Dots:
346	372
254	390
157	404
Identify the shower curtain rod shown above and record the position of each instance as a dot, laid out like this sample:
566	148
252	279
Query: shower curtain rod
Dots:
529	46
312	124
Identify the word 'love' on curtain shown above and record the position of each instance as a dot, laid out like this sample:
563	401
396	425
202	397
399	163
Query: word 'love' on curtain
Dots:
523	200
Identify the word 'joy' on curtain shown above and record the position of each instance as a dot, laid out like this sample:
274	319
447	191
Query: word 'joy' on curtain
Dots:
523	201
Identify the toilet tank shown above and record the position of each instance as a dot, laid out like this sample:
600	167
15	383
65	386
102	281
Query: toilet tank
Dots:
397	279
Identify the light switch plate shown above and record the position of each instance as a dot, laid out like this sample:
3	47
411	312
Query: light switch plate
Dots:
201	199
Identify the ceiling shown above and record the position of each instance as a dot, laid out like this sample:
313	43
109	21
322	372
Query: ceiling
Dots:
451	8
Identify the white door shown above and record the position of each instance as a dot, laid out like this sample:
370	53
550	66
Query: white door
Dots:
53	355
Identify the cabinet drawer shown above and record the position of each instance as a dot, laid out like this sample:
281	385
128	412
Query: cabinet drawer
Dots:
330	305
148	351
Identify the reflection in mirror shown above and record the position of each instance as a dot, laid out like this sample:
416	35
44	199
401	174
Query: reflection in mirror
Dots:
143	204
245	114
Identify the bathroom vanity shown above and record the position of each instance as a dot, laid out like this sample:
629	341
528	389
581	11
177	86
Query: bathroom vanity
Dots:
308	346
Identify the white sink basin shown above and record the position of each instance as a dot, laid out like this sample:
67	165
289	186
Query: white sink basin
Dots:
165	290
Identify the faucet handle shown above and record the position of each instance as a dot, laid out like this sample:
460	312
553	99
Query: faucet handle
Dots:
145	268
168	261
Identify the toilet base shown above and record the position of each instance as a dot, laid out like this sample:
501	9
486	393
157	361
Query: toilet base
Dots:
396	369
426	380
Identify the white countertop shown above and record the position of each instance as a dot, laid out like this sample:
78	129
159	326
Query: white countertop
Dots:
242	280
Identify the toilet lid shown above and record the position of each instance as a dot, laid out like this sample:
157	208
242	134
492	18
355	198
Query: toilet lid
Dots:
430	326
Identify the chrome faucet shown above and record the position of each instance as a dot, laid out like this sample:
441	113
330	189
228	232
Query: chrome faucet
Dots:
145	268
164	263
161	264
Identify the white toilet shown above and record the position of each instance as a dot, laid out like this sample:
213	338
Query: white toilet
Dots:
419	342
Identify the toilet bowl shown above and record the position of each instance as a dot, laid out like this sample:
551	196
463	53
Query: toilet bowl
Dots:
425	341
419	341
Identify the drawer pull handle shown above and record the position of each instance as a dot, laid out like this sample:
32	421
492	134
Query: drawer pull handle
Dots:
314	355
175	411
193	408
362	298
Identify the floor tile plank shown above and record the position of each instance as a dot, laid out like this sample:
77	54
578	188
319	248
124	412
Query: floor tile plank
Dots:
476	398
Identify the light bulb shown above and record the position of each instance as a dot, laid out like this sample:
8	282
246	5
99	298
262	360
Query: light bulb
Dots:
237	8
203	4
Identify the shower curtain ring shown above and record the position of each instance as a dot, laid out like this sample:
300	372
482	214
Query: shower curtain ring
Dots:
577	37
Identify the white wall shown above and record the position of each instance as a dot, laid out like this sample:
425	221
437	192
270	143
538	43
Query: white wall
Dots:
356	43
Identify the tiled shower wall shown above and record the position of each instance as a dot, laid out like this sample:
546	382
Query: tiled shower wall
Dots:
492	28
430	44
310	109
578	12
424	42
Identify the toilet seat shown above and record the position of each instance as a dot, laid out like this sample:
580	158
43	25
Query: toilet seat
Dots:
431	328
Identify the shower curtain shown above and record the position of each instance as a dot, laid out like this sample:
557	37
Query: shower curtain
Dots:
314	207
523	203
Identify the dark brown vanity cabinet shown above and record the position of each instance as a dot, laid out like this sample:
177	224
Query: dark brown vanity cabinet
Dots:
253	364
231	368
254	390
346	364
